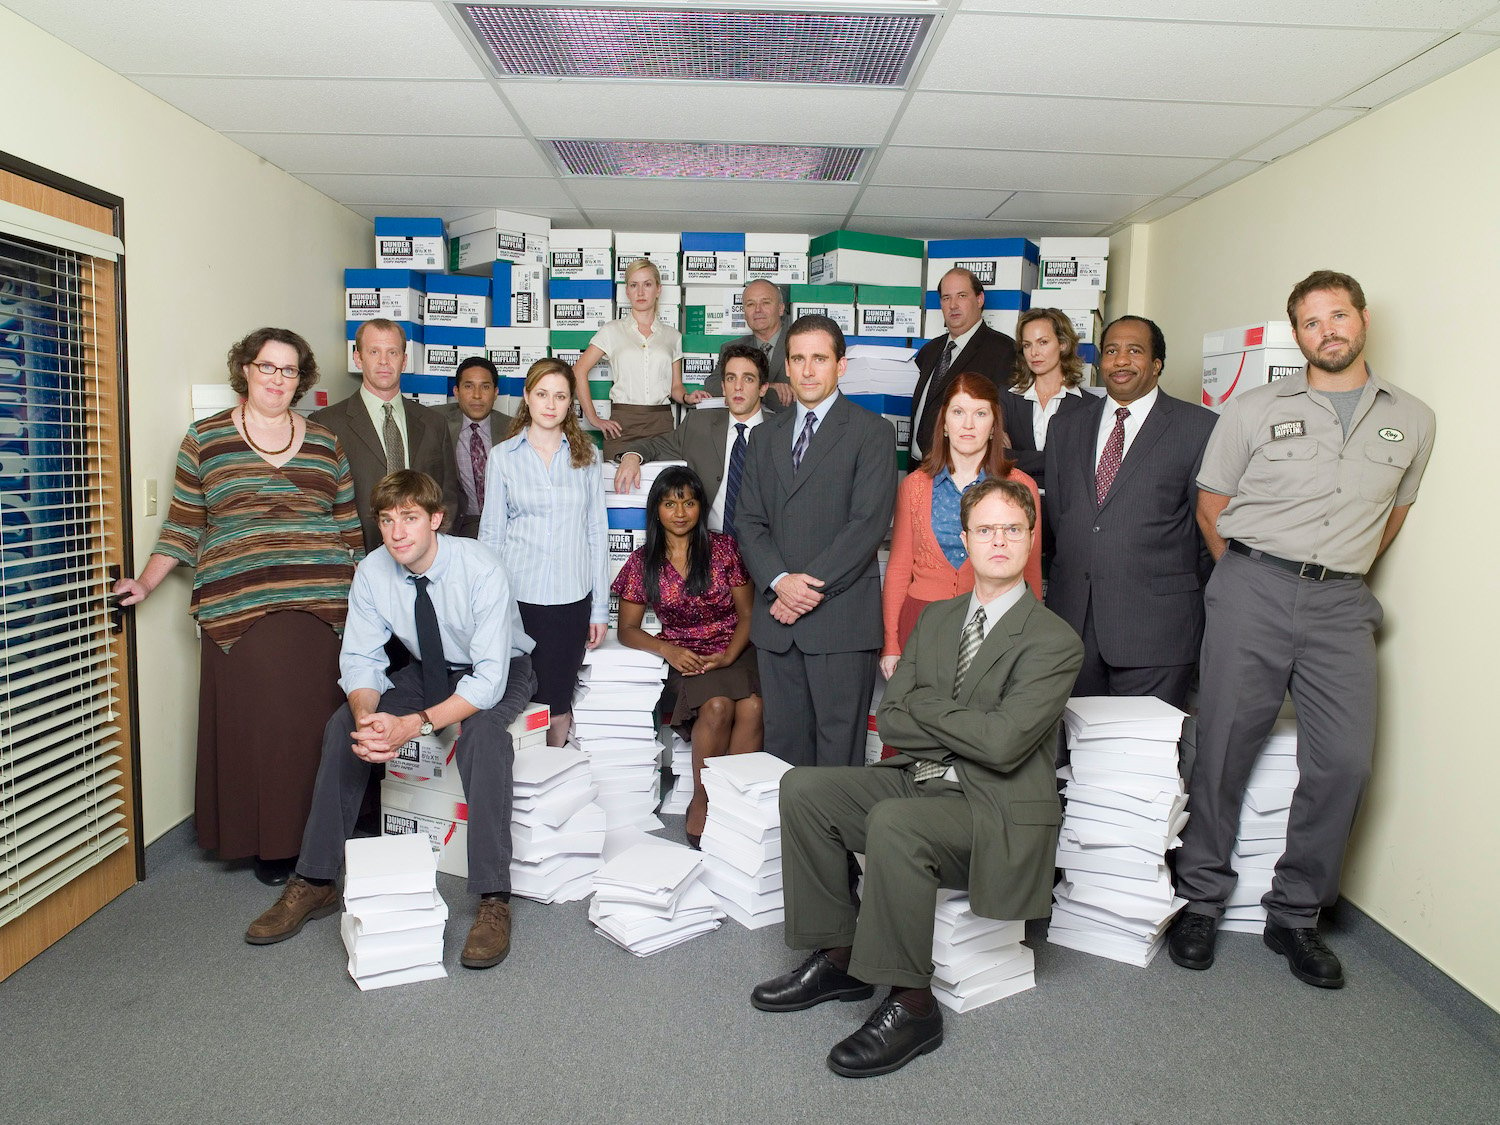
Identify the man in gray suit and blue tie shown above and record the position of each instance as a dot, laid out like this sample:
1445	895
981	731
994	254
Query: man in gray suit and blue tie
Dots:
820	481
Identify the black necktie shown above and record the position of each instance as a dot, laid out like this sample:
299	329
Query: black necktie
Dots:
430	641
736	475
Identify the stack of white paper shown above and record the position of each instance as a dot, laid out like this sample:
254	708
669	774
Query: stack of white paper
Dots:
1126	805
878	370
976	961
676	803
742	839
556	832
650	897
1263	820
394	917
636	497
614	721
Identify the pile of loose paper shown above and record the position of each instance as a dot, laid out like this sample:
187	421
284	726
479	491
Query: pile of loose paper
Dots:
742	838
650	897
394	917
878	370
556	830
1125	807
976	961
614	721
1263	821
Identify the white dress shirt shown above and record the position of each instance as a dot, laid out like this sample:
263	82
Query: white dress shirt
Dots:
959	344
1041	415
641	365
1138	411
376	407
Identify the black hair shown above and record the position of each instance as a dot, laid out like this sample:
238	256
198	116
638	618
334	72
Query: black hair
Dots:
477	361
676	478
750	352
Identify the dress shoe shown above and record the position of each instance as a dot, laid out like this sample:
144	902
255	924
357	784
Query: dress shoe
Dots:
694	842
489	937
274	872
1190	941
1311	960
299	904
816	981
889	1039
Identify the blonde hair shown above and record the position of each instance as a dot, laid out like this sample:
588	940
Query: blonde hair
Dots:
581	448
1067	339
644	265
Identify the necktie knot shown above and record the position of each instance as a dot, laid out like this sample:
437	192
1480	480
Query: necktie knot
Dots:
1121	413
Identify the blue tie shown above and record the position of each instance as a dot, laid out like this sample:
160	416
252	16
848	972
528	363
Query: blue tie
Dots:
736	473
804	439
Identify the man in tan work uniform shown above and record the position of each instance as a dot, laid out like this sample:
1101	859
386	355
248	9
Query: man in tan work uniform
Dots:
1304	483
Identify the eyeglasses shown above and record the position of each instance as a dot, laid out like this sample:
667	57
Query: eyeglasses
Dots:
271	369
1011	532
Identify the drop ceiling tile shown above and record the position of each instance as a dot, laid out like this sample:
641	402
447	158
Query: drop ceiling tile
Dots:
1490	24
1350	13
648	220
719	112
940	201
1227	174
289	105
376	154
394	39
1168	61
472	192
1303	133
1037	171
959	120
1069	207
560	216
919	227
711	195
1446	57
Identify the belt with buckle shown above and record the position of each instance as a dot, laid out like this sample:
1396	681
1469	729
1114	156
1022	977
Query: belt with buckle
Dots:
1313	572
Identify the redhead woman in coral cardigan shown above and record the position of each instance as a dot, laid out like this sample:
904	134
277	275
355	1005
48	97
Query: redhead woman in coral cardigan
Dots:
928	562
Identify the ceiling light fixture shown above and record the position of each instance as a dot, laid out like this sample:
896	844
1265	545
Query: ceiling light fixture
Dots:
710	161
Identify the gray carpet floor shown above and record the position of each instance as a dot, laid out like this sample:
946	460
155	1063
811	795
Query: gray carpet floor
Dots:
155	1010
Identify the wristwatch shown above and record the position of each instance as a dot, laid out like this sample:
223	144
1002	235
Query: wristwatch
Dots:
427	727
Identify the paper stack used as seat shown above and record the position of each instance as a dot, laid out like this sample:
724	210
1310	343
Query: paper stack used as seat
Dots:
976	961
650	897
393	915
1263	821
676	802
636	497
1126	805
742	838
614	720
556	831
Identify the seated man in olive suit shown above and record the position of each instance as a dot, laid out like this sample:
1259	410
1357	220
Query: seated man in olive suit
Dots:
970	802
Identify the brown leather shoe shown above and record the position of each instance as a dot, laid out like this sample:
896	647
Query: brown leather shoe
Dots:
299	904
489	937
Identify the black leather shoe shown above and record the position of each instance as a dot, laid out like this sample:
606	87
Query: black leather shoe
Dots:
816	981
1190	941
1311	960
274	872
889	1039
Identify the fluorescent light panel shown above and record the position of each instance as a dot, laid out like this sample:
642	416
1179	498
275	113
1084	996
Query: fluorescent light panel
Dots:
701	161
820	48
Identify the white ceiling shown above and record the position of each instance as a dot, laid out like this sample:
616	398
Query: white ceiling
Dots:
1068	117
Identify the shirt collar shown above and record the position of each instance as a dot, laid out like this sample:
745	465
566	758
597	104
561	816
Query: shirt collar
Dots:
375	404
1138	409
1296	384
749	423
525	436
439	567
962	342
944	475
821	410
1030	392
998	608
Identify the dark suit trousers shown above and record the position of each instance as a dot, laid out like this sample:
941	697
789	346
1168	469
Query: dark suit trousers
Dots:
817	705
467	526
485	756
1171	683
915	839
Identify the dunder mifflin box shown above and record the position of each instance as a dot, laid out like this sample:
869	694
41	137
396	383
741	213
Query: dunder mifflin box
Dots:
700	355
580	305
1250	356
661	248
582	255
392	294
1074	263
513	351
518	295
442	817
851	257
413	344
998	263
1002	308
713	258
410	244
569	345
779	258
668	305
836	302
456	301
888	310
477	241
713	310
430	761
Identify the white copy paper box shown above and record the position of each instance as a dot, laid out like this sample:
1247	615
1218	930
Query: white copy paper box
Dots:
583	255
661	248
439	821
477	241
1252	355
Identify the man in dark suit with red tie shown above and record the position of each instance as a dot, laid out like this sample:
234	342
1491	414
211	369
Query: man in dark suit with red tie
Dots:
969	345
1130	563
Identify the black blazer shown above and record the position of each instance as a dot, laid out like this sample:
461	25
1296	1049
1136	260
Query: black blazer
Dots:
1018	416
989	353
1138	561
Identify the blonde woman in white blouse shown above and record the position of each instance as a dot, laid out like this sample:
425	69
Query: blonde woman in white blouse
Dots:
645	357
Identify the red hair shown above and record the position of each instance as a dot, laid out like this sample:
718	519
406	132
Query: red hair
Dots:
996	464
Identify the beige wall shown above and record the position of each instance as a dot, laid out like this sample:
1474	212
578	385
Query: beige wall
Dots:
217	242
1404	200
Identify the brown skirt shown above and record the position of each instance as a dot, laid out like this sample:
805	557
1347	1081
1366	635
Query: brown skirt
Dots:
262	707
740	680
636	424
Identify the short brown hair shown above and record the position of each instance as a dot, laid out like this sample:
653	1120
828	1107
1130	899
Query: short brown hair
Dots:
1013	490
1067	338
815	322
1320	280
406	487
247	349
381	324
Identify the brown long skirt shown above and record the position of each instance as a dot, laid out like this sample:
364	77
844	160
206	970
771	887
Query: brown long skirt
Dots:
262	707
636	424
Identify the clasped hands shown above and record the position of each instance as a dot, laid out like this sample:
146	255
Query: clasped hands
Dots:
378	737
796	594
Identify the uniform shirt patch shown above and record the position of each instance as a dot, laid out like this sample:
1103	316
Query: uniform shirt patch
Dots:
1297	428
1390	433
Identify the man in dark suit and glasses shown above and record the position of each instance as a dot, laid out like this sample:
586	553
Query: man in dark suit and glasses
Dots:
474	425
820	481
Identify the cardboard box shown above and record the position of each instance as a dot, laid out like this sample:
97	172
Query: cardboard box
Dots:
443	349
1249	356
392	294
477	241
661	248
885	310
999	263
849	257
580	306
713	311
1070	299
782	258
513	351
410	244
518	295
413	342
582	255
1088	325
700	355
430	761
568	346
713	258
833	301
456	301
441	817
668	306
1002	307
1074	263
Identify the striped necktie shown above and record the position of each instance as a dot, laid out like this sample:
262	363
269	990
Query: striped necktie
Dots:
804	439
925	769
479	453
1109	460
736	475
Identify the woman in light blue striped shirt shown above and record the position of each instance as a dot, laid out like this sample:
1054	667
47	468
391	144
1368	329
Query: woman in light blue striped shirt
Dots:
544	516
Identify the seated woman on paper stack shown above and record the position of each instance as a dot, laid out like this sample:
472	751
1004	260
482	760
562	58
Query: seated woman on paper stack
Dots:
695	582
